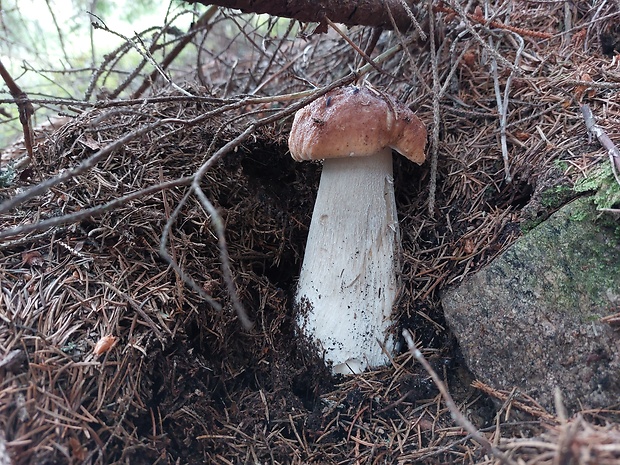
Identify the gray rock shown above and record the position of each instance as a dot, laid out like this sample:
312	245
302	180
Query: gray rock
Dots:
531	319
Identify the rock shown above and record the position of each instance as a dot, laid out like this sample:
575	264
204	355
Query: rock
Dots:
531	319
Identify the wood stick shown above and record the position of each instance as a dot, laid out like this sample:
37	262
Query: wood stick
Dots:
603	138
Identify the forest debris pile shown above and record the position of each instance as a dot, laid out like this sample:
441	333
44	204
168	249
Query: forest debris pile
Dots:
574	441
184	381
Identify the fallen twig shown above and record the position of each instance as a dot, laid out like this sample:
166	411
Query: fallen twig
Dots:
603	138
218	224
534	409
454	411
432	185
502	103
24	106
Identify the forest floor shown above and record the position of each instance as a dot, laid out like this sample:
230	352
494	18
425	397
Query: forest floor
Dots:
107	238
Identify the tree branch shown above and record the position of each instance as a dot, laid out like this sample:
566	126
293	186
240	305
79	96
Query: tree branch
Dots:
603	138
349	12
178	48
24	106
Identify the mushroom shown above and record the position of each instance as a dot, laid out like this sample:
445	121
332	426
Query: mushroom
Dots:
348	282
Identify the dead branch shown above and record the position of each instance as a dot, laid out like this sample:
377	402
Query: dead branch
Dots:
603	138
456	413
218	224
87	213
26	110
139	46
502	103
477	17
199	24
349	12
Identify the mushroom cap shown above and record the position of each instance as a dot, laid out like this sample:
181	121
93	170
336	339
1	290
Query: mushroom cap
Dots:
355	122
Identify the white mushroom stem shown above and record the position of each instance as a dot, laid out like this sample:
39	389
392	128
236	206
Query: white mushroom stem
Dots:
348	281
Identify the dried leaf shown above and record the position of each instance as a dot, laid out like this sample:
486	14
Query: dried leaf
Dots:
78	451
104	345
583	89
88	141
32	258
522	135
470	246
470	58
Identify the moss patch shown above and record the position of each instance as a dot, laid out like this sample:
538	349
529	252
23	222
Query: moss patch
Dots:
588	243
603	182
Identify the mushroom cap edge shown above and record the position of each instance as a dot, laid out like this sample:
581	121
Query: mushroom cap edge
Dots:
355	122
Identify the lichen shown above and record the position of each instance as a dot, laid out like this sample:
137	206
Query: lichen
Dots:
7	176
556	196
603	183
591	243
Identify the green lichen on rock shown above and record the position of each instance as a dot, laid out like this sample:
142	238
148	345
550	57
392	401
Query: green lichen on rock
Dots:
556	196
531	318
600	184
592	243
603	183
546	201
605	190
7	176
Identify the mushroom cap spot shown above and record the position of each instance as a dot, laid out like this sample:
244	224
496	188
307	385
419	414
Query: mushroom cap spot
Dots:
355	122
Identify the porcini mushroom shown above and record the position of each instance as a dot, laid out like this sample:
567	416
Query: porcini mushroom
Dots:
348	281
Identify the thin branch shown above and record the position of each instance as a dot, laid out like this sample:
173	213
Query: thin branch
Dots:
88	213
107	59
354	45
199	24
502	102
24	106
143	51
138	69
218	224
412	18
412	63
432	185
454	411
603	138
61	39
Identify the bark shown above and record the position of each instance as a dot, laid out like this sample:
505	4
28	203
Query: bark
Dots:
350	12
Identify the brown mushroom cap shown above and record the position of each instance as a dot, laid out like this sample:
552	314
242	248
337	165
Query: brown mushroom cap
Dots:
355	122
